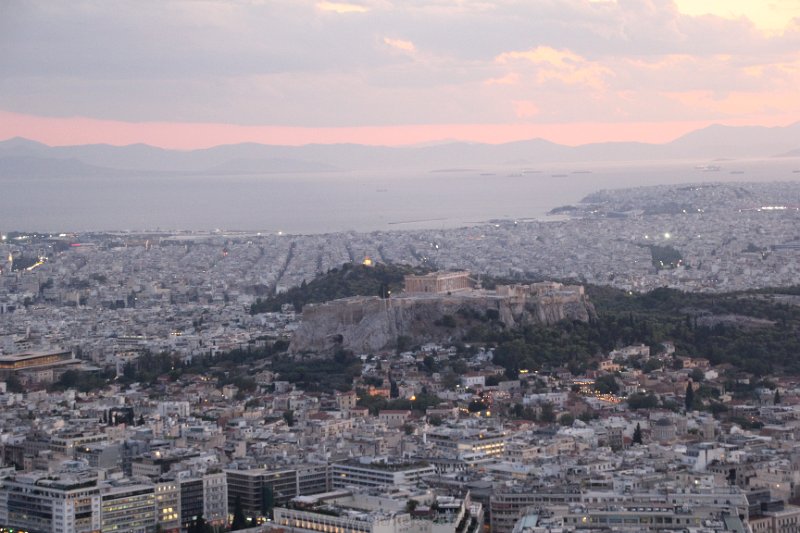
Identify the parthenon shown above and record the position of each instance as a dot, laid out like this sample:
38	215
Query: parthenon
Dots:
439	282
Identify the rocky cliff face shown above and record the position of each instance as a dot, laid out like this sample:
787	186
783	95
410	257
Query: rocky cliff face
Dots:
371	324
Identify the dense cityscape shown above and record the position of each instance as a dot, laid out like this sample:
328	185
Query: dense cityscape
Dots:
400	266
145	389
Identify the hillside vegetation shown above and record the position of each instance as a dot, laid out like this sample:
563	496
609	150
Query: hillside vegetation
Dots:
348	280
755	331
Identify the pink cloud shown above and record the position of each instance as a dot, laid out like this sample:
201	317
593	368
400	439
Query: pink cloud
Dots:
738	103
341	7
525	108
400	44
563	66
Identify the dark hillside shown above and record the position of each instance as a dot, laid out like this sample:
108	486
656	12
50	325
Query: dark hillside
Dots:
756	331
348	280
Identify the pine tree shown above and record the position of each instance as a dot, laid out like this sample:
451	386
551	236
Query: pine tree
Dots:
637	434
547	415
777	399
689	396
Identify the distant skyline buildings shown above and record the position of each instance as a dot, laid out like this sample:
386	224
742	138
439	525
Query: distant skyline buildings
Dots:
188	75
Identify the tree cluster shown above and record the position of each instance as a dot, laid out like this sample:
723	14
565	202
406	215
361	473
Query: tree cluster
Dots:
653	318
345	281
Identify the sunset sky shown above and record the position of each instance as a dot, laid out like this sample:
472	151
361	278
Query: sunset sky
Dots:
197	73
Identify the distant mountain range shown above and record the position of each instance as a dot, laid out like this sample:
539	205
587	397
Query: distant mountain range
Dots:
21	157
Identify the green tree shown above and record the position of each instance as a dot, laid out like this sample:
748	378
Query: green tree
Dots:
665	257
450	379
459	367
717	408
288	416
435	420
566	419
777	398
637	434
547	416
689	399
13	384
606	384
652	364
341	282
429	362
403	343
476	406
447	321
493	380
642	401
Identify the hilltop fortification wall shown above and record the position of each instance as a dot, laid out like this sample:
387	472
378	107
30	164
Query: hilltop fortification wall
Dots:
371	324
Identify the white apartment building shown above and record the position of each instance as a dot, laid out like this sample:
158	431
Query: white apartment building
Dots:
215	498
378	474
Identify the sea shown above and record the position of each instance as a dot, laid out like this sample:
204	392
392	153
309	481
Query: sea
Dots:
314	203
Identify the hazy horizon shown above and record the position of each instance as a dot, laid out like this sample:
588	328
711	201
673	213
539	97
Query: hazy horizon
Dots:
367	141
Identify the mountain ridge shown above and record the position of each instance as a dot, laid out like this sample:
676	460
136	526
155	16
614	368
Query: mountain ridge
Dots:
712	142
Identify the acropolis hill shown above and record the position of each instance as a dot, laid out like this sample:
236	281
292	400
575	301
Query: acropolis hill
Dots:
433	307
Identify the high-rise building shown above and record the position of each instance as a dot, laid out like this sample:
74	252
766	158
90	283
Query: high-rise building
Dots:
128	507
259	489
379	474
191	501
61	503
204	496
168	506
215	499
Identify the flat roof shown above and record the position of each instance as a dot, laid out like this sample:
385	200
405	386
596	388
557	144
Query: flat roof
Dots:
11	358
438	274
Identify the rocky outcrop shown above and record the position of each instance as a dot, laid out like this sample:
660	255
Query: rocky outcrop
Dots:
371	324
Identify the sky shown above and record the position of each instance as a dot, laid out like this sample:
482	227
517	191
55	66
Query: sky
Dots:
197	73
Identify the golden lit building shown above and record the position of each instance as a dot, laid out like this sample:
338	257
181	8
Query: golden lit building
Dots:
439	282
41	367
